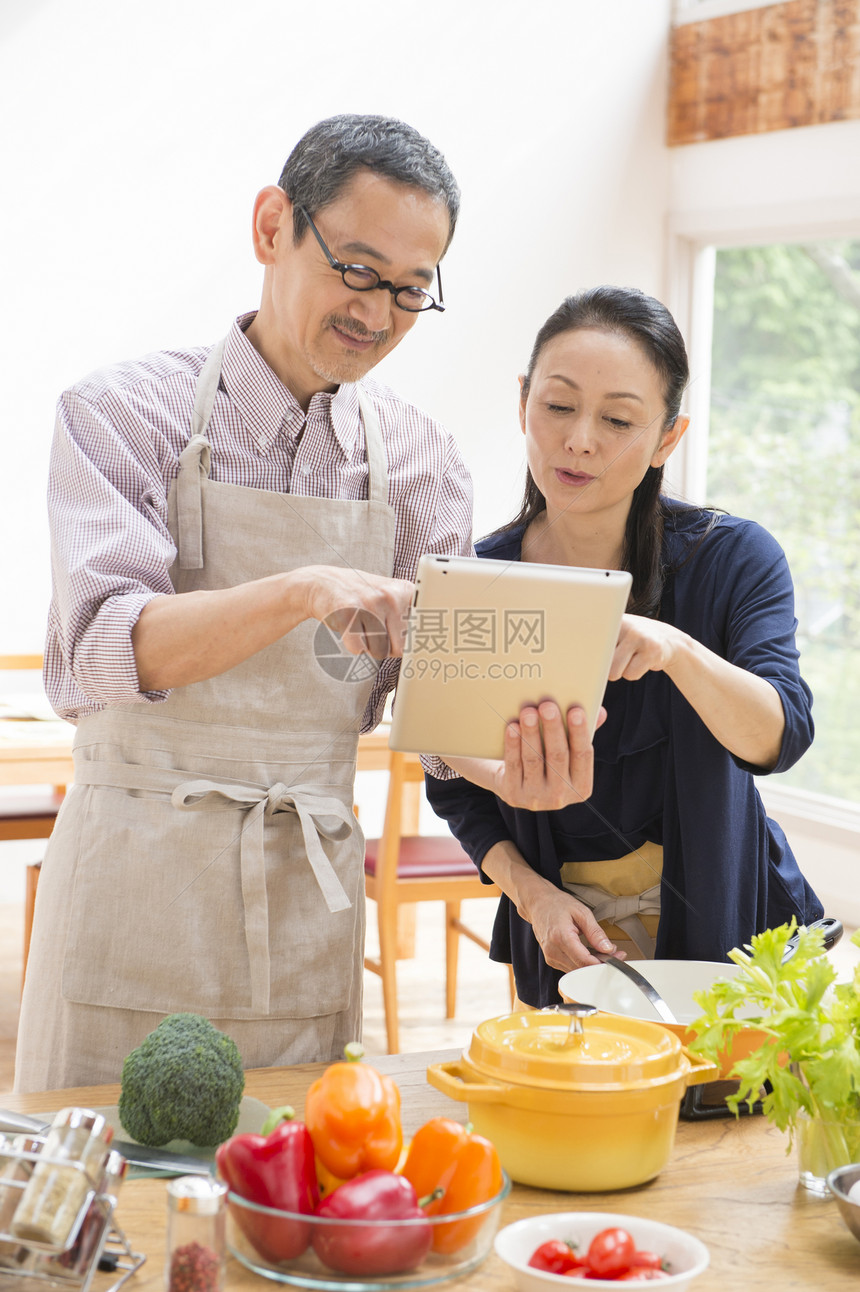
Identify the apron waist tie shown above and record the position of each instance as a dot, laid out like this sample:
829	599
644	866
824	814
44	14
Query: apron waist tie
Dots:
623	911
319	815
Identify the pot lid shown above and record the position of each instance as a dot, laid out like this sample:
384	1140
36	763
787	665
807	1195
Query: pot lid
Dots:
536	1048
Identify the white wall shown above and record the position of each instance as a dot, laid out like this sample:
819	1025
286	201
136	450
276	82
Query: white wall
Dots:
784	185
136	134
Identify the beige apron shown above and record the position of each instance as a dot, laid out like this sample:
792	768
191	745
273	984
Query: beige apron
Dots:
623	895
208	857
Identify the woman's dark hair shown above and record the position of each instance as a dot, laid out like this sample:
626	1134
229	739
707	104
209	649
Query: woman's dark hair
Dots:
649	324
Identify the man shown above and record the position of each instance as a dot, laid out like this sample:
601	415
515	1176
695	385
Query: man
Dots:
213	514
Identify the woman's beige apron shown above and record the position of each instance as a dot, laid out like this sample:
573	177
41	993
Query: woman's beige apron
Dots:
207	857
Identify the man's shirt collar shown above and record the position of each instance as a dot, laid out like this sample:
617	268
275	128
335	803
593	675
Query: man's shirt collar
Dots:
268	408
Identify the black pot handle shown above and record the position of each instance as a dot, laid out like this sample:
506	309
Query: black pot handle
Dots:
830	927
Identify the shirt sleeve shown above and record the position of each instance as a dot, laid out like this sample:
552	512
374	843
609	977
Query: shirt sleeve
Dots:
110	555
472	814
437	520
743	599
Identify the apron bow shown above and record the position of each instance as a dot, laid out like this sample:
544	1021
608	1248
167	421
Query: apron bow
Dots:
319	814
622	910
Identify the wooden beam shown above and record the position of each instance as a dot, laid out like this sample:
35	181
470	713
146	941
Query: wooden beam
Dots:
785	65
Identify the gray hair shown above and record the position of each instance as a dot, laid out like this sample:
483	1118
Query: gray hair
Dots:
331	152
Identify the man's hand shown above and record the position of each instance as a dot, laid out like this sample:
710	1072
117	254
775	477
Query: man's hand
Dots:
367	611
195	635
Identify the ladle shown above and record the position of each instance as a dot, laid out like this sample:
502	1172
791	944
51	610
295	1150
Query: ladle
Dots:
648	989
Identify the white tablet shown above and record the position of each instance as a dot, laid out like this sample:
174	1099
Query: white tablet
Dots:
486	637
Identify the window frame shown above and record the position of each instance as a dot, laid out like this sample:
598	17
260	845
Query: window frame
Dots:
693	239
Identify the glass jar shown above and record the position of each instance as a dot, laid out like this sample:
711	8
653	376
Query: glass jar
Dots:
96	1222
823	1144
15	1171
196	1234
66	1174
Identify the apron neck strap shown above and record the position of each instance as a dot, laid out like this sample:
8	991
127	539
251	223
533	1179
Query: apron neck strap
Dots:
207	389
377	469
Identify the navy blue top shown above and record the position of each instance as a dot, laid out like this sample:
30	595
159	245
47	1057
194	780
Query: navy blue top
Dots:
660	775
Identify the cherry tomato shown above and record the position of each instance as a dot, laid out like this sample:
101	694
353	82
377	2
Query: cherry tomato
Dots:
611	1253
556	1257
648	1260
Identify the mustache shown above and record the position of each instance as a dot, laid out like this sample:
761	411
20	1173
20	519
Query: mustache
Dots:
356	329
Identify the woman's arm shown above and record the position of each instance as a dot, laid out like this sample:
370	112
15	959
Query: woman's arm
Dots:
561	924
741	710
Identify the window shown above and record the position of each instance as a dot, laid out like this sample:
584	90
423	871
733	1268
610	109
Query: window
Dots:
784	449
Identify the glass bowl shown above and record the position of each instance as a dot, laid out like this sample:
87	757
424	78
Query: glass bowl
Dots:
687	1257
283	1246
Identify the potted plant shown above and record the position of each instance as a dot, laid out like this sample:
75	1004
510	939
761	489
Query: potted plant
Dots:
807	1071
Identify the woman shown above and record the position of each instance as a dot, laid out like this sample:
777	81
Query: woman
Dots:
672	849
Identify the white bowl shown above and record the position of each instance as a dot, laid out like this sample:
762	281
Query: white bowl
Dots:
686	1256
675	980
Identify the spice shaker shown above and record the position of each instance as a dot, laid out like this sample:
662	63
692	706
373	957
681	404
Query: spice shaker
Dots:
92	1230
15	1170
69	1168
196	1234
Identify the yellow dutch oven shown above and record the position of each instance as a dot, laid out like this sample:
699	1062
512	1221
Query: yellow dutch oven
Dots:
587	1111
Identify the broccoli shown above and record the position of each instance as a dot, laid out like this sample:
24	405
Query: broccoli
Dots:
185	1081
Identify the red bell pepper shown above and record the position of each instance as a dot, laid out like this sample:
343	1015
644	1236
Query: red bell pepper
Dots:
273	1170
373	1249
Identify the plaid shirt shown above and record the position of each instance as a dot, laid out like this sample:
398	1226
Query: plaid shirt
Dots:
116	449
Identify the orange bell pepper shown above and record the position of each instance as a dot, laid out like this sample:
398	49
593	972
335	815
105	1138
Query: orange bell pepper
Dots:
445	1155
353	1115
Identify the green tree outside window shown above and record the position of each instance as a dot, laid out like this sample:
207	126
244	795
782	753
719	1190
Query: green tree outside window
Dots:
784	449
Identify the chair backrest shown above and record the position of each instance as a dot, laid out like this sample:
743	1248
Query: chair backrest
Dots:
403	770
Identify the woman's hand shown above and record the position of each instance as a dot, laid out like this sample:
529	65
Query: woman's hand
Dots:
564	927
643	646
548	763
741	710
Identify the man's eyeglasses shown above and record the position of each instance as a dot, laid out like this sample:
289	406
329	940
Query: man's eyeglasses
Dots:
361	278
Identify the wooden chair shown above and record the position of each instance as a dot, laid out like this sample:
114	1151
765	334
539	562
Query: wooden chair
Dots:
402	867
28	816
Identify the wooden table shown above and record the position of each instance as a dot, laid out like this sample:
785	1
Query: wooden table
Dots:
36	753
729	1182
